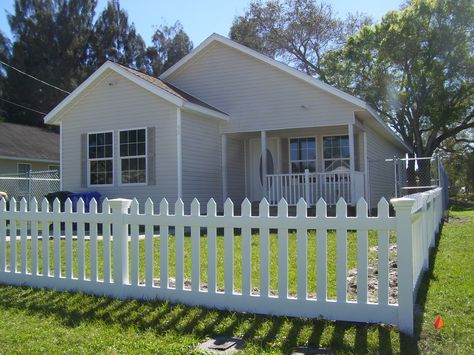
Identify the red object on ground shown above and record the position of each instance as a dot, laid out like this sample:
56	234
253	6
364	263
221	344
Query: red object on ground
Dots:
438	323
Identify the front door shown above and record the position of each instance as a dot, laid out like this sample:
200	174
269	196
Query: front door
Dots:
256	176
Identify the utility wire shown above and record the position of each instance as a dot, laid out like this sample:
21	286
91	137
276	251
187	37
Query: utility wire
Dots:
26	108
32	77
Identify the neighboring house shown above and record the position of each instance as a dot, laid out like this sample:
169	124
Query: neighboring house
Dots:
200	130
27	148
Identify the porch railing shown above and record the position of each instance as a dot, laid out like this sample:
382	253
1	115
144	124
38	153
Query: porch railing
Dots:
312	186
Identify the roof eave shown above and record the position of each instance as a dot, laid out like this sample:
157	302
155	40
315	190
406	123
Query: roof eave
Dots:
53	116
206	111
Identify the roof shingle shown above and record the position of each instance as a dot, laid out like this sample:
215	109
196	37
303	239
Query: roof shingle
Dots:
28	142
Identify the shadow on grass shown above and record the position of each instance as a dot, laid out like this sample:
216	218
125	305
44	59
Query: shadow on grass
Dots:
260	333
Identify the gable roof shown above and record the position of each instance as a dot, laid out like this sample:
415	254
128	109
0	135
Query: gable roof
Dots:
287	69
154	85
28	143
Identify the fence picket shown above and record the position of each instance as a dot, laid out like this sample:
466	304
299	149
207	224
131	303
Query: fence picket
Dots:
195	248
149	247
164	230
341	254
362	254
302	252
68	237
321	257
13	234
81	272
106	241
45	239
134	246
383	255
34	237
23	238
93	242
282	252
211	248
228	250
264	251
179	230
57	239
246	250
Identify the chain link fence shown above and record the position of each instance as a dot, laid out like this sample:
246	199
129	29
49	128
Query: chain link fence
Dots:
398	177
30	184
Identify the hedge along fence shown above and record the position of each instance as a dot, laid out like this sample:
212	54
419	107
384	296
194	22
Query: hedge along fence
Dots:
114	270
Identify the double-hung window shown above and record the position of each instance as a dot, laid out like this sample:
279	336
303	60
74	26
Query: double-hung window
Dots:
302	155
133	156
100	158
336	153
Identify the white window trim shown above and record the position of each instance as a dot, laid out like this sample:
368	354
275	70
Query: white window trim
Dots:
316	154
322	151
18	166
89	160
133	156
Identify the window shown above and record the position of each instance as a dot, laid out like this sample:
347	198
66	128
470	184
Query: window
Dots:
133	156
302	155
24	169
100	153
336	153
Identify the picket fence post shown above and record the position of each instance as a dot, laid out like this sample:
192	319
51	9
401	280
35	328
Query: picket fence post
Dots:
403	207
119	208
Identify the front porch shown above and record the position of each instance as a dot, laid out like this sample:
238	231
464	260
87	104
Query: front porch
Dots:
309	163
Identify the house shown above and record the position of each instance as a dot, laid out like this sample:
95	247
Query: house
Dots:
27	148
225	121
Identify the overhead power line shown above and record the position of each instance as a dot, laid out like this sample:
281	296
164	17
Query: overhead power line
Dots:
26	108
32	77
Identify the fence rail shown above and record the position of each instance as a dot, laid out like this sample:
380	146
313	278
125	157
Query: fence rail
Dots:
114	269
313	186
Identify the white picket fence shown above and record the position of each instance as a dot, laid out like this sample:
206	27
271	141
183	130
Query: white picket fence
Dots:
120	223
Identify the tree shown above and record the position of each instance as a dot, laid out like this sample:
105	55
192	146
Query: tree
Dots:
457	155
170	44
299	32
117	40
5	50
51	42
416	69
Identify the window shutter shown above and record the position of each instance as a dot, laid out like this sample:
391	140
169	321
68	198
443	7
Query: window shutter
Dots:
84	160
150	167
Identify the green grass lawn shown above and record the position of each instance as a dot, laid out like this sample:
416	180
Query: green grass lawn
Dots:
33	321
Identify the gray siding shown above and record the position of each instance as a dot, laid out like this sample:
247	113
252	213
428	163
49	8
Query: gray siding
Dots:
201	152
256	95
122	105
381	174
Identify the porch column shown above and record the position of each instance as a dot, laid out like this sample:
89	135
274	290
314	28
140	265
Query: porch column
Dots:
263	140
224	167
366	170
179	155
350	129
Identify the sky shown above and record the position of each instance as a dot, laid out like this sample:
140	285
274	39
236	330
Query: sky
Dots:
201	18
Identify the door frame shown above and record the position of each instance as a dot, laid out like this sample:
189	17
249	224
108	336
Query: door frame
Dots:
255	148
